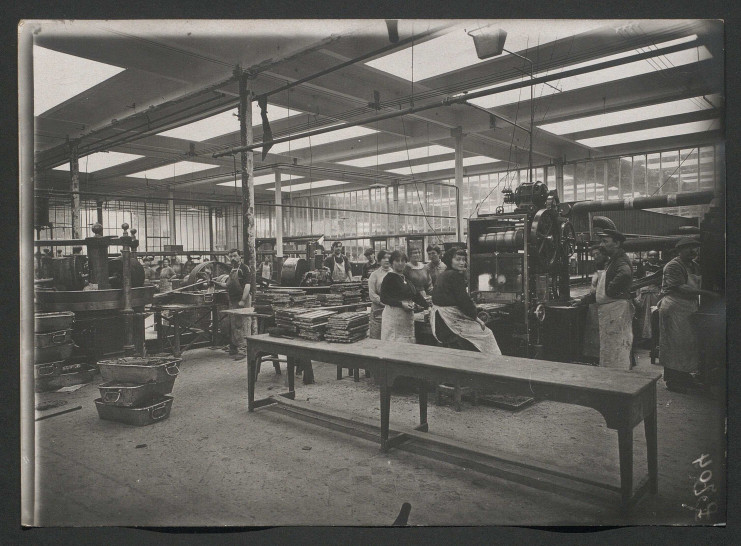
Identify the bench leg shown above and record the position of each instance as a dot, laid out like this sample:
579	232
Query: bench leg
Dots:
339	372
290	371
385	411
251	378
356	375
651	427
308	372
457	398
625	447
422	406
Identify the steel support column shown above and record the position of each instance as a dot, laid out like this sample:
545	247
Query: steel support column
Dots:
74	170
171	217
278	223
248	183
457	133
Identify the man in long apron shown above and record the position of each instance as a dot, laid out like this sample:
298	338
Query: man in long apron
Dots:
680	288
238	289
590	346
614	304
338	264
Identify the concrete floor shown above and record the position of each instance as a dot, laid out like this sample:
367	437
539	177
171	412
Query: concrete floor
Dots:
213	463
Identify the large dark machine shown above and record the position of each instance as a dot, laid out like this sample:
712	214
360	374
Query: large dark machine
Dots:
519	263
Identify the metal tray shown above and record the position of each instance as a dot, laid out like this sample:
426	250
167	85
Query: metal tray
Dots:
158	410
200	297
65	379
139	370
53	353
134	394
49	339
53	322
47	370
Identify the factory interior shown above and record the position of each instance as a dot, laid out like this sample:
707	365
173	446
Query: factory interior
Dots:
373	273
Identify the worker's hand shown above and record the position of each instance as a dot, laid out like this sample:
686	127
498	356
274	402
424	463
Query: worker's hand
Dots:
242	303
409	305
576	303
481	323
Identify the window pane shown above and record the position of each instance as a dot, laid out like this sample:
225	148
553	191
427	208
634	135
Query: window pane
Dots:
707	173
613	178
626	184
580	181
639	175
568	182
688	171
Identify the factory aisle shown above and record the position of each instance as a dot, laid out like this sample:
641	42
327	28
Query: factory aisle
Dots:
213	463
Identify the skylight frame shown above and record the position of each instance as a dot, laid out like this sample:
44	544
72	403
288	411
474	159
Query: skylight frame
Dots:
99	161
59	77
651	134
214	126
311	185
166	171
397	156
336	137
630	115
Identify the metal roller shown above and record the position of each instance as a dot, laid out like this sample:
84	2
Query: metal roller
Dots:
293	271
503	241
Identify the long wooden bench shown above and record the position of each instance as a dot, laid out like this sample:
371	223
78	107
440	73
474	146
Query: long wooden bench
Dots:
624	398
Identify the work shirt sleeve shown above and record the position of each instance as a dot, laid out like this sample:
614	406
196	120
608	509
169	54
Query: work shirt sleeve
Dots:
622	280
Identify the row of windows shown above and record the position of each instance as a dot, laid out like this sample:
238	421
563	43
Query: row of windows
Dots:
421	208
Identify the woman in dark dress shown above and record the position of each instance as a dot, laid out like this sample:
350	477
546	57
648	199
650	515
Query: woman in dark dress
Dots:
453	318
399	296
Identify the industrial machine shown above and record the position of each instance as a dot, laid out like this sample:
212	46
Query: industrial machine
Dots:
519	263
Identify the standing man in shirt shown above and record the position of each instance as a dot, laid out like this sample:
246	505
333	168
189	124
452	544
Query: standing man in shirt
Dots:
372	264
238	289
435	265
338	264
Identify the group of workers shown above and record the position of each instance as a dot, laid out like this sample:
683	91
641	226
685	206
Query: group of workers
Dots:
398	285
612	308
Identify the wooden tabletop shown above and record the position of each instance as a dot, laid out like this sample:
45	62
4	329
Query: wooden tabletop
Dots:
508	367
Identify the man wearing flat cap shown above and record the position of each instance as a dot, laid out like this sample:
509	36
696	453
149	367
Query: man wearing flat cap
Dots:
614	303
680	288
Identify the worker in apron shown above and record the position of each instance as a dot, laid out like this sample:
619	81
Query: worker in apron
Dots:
338	264
680	288
590	344
237	288
453	318
614	304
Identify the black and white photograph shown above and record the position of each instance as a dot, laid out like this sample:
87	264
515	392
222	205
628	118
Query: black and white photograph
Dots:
373	272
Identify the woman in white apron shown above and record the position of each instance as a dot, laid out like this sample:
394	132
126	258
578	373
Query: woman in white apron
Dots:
374	294
453	318
615	317
680	287
399	296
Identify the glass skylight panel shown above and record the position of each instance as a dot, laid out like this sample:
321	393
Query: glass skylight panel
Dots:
174	170
224	123
442	165
324	138
57	77
99	161
649	134
260	180
395	157
605	75
312	185
456	49
672	108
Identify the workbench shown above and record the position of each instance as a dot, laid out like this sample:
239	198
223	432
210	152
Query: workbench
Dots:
178	317
624	398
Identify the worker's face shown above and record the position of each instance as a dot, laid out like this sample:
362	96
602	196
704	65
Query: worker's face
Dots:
385	261
611	245
371	258
599	257
415	255
688	253
653	257
337	250
165	263
433	256
459	262
234	258
398	265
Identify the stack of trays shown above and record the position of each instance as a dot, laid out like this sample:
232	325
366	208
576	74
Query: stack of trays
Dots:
347	327
285	318
135	389
311	325
269	300
364	290
350	292
52	350
329	300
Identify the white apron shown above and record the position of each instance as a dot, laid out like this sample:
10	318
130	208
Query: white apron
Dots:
397	324
678	339
338	273
615	328
590	344
463	326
